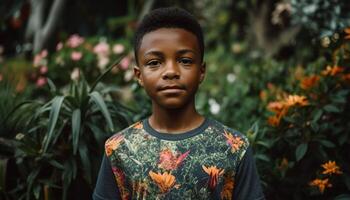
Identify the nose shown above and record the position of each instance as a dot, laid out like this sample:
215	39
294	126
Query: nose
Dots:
171	71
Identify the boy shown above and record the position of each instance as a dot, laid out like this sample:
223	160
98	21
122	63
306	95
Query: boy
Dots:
176	153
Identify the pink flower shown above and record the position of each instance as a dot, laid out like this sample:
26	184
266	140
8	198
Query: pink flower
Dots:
118	48
76	55
102	48
74	41
1	77
41	81
75	74
124	63
39	59
59	46
43	69
170	161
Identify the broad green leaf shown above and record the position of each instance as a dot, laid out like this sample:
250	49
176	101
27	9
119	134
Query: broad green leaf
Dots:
54	113
262	157
84	156
327	143
97	98
98	133
317	115
76	122
300	151
315	127
331	108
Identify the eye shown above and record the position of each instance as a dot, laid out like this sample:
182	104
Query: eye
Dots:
186	61
153	63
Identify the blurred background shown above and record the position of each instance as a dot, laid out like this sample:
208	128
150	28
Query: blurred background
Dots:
277	70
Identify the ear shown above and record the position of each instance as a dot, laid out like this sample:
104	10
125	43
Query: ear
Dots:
137	73
202	71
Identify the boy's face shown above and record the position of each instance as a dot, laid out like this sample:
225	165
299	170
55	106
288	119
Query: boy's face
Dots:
170	67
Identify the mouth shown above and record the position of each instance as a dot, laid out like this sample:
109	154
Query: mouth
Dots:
171	87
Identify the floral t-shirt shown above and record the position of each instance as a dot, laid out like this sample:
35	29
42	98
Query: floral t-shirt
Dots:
210	162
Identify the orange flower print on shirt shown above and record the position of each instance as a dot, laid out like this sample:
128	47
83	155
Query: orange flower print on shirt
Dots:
164	181
170	161
113	143
120	178
214	174
321	184
138	125
235	142
330	168
227	190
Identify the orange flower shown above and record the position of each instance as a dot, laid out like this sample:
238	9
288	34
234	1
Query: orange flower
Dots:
227	190
321	184
284	164
331	167
293	100
164	181
138	125
332	71
170	161
347	33
214	174
113	143
309	82
234	141
275	106
346	77
273	121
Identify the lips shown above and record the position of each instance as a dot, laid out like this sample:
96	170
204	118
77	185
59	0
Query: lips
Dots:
171	87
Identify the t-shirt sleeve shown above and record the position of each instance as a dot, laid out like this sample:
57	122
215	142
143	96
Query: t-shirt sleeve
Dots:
106	186
247	182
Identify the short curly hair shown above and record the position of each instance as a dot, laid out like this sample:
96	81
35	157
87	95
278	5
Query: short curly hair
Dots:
170	17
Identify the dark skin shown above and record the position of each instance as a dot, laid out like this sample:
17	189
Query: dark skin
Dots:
170	70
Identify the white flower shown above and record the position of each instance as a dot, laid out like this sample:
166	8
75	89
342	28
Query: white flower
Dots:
75	74
102	62
118	48
231	78
214	107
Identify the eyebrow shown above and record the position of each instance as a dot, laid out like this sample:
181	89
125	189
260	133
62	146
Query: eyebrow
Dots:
160	54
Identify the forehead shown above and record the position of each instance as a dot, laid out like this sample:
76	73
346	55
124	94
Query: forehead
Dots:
164	39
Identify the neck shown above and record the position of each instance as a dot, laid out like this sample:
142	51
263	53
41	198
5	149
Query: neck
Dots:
175	120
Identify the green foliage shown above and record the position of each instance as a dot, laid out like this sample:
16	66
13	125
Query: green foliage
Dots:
62	142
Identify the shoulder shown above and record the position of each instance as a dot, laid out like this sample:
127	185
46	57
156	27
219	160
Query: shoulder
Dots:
113	142
238	142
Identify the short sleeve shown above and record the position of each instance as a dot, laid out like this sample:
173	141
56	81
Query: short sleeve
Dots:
247	182
106	186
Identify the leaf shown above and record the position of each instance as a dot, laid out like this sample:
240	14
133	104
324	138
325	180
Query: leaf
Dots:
56	164
314	126
331	108
106	72
317	115
84	157
262	157
55	110
98	133
97	98
76	122
342	197
327	143
300	151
